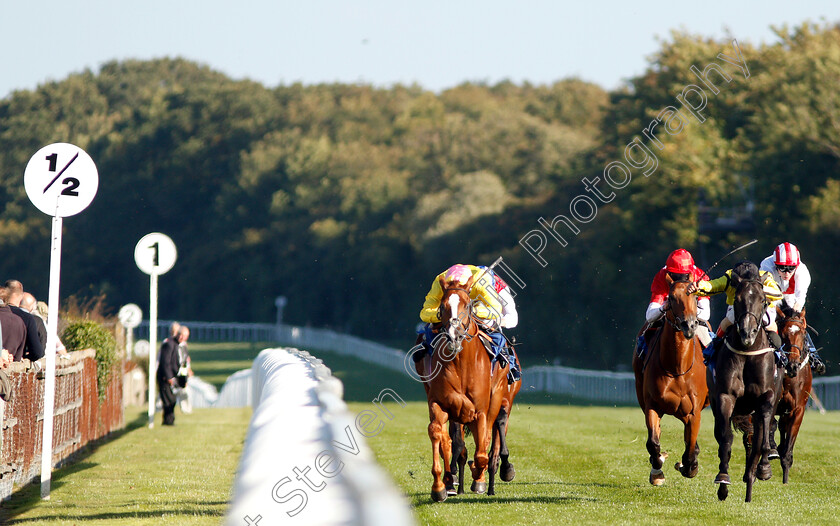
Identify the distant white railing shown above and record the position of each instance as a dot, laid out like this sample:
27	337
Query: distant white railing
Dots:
597	386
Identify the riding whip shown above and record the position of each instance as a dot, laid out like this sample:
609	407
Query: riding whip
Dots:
745	245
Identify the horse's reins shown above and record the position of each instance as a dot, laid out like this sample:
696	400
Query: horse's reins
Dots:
675	324
758	320
803	357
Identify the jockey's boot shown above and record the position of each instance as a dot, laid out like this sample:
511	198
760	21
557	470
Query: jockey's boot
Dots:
427	335
776	343
817	363
712	349
641	346
514	375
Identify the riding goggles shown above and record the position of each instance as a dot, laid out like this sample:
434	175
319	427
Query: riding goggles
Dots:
785	268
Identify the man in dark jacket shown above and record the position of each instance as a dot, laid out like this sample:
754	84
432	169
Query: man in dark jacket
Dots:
33	350
12	327
167	372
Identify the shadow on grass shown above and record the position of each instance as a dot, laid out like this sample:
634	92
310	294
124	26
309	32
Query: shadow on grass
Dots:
29	496
171	514
496	499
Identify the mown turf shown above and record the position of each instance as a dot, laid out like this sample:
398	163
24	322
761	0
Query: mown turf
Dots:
166	475
588	465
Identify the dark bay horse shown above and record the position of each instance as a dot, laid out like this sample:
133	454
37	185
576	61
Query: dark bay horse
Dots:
465	390
796	386
671	380
745	383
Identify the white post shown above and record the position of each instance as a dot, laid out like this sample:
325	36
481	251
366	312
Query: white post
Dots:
129	343
49	374
153	301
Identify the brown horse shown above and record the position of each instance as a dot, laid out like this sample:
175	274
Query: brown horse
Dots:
746	383
671	380
796	386
463	388
499	453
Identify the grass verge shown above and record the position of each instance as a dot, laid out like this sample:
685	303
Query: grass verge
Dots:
166	475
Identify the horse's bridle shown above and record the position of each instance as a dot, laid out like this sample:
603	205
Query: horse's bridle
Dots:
802	324
462	330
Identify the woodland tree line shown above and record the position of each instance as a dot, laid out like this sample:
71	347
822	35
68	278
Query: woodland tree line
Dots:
349	199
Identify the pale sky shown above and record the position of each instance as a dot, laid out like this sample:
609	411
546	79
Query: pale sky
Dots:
381	42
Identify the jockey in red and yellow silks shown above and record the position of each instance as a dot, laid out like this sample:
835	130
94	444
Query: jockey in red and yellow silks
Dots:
495	307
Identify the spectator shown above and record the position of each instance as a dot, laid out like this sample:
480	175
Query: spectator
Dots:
184	370
33	350
167	373
5	381
40	311
28	303
12	327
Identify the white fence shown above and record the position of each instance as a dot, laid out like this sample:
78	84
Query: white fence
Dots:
597	386
301	422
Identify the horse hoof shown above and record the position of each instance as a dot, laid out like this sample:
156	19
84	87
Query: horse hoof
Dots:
507	473
723	491
478	487
774	454
722	479
764	472
685	471
439	496
657	477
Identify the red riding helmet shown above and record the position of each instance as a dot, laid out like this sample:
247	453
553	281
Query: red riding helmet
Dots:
680	262
787	255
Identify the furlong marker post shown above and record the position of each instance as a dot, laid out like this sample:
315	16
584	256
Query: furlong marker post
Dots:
154	254
78	181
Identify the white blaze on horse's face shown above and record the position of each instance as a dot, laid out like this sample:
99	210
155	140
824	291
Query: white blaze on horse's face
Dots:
454	303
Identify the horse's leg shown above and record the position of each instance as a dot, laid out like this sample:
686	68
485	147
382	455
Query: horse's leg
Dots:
723	406
495	445
506	471
437	419
791	431
689	465
481	435
761	441
657	476
774	448
457	442
462	460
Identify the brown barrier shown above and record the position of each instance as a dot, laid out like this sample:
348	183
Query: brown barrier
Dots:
79	416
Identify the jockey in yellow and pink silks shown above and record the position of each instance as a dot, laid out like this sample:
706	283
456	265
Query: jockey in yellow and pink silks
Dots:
495	307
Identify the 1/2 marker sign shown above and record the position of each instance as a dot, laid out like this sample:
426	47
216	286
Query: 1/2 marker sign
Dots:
61	179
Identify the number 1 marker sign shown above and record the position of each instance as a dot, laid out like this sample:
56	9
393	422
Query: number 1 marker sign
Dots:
154	254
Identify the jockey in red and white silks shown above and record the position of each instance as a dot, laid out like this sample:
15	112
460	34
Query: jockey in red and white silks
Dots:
680	265
790	273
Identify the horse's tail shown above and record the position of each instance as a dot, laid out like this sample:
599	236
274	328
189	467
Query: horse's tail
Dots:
742	423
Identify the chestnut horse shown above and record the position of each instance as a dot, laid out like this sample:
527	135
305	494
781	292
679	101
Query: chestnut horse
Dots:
796	386
464	389
499	453
671	380
746	383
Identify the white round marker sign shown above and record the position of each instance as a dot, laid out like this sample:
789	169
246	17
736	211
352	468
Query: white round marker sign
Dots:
141	348
155	253
61	179
130	316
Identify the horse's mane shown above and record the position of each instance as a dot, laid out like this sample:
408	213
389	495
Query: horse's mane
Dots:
747	271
